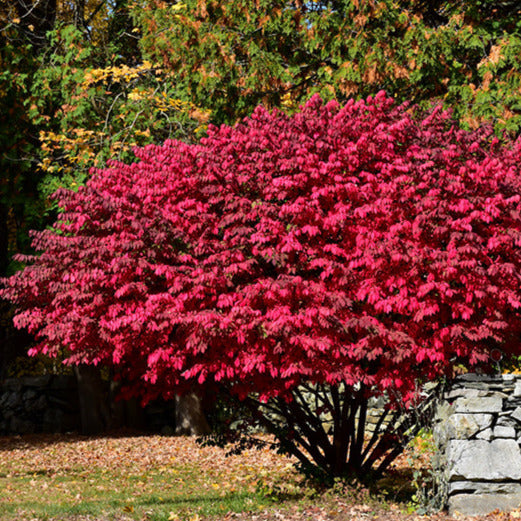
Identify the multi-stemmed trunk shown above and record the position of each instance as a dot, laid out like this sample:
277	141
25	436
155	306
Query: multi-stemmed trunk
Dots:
324	427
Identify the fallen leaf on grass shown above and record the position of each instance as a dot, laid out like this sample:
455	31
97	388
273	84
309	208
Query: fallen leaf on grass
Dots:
49	457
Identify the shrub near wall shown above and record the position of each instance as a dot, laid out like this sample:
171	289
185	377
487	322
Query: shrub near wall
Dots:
351	251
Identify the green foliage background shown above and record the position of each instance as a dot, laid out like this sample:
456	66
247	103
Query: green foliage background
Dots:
229	56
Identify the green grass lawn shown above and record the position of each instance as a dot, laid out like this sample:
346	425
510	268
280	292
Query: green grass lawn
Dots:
155	478
185	492
146	478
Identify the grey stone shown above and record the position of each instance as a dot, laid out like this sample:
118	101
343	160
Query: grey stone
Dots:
509	377
12	384
516	414
497	460
484	487
440	435
39	382
444	411
503	431
473	377
517	389
488	387
30	394
484	435
506	421
479	404
461	393
482	504
14	400
474	393
40	404
464	426
378	402
512	402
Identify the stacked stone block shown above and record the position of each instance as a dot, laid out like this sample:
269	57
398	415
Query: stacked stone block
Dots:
478	432
39	404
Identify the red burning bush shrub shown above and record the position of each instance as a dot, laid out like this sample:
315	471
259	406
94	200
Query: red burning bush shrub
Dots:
341	251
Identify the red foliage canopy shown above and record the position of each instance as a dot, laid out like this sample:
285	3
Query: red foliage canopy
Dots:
366	243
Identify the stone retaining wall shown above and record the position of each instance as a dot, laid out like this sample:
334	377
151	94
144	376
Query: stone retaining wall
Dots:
50	404
39	404
478	432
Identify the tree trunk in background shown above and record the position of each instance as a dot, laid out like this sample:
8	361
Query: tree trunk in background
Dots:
125	413
79	14
189	415
93	397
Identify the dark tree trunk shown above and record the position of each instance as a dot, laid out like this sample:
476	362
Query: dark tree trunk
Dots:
189	415
79	14
93	399
125	413
324	427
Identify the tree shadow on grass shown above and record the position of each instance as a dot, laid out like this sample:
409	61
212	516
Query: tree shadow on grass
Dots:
43	440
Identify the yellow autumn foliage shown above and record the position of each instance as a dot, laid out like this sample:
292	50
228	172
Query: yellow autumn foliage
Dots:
134	102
